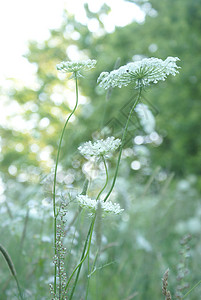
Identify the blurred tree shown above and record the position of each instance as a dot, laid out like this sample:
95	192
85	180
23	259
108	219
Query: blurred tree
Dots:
170	29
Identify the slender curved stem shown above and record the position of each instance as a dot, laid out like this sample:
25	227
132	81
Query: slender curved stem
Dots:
19	288
55	179
191	289
95	260
79	269
84	256
90	272
89	235
106	181
12	269
87	285
123	141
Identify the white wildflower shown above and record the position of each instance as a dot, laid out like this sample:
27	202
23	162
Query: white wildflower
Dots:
100	147
92	205
142	73
76	67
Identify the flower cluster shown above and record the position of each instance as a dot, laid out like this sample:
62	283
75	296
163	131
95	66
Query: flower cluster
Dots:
100	147
76	66
92	205
142	73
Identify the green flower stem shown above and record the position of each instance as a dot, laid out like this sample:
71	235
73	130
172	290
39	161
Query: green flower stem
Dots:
123	140
191	289
90	272
106	182
113	183
55	178
83	257
87	288
12	268
59	281
19	288
95	260
89	235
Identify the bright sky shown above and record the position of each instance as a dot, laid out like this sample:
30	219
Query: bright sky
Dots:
24	20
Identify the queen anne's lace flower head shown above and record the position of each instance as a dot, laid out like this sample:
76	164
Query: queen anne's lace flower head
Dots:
92	205
142	73
100	147
76	67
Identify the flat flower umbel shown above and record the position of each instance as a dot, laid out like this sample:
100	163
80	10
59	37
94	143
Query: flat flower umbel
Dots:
100	148
76	67
92	205
142	73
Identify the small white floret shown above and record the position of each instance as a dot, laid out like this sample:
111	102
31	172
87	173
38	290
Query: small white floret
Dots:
100	147
76	66
92	205
142	73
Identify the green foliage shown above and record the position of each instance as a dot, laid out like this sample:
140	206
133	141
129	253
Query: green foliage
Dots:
145	241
